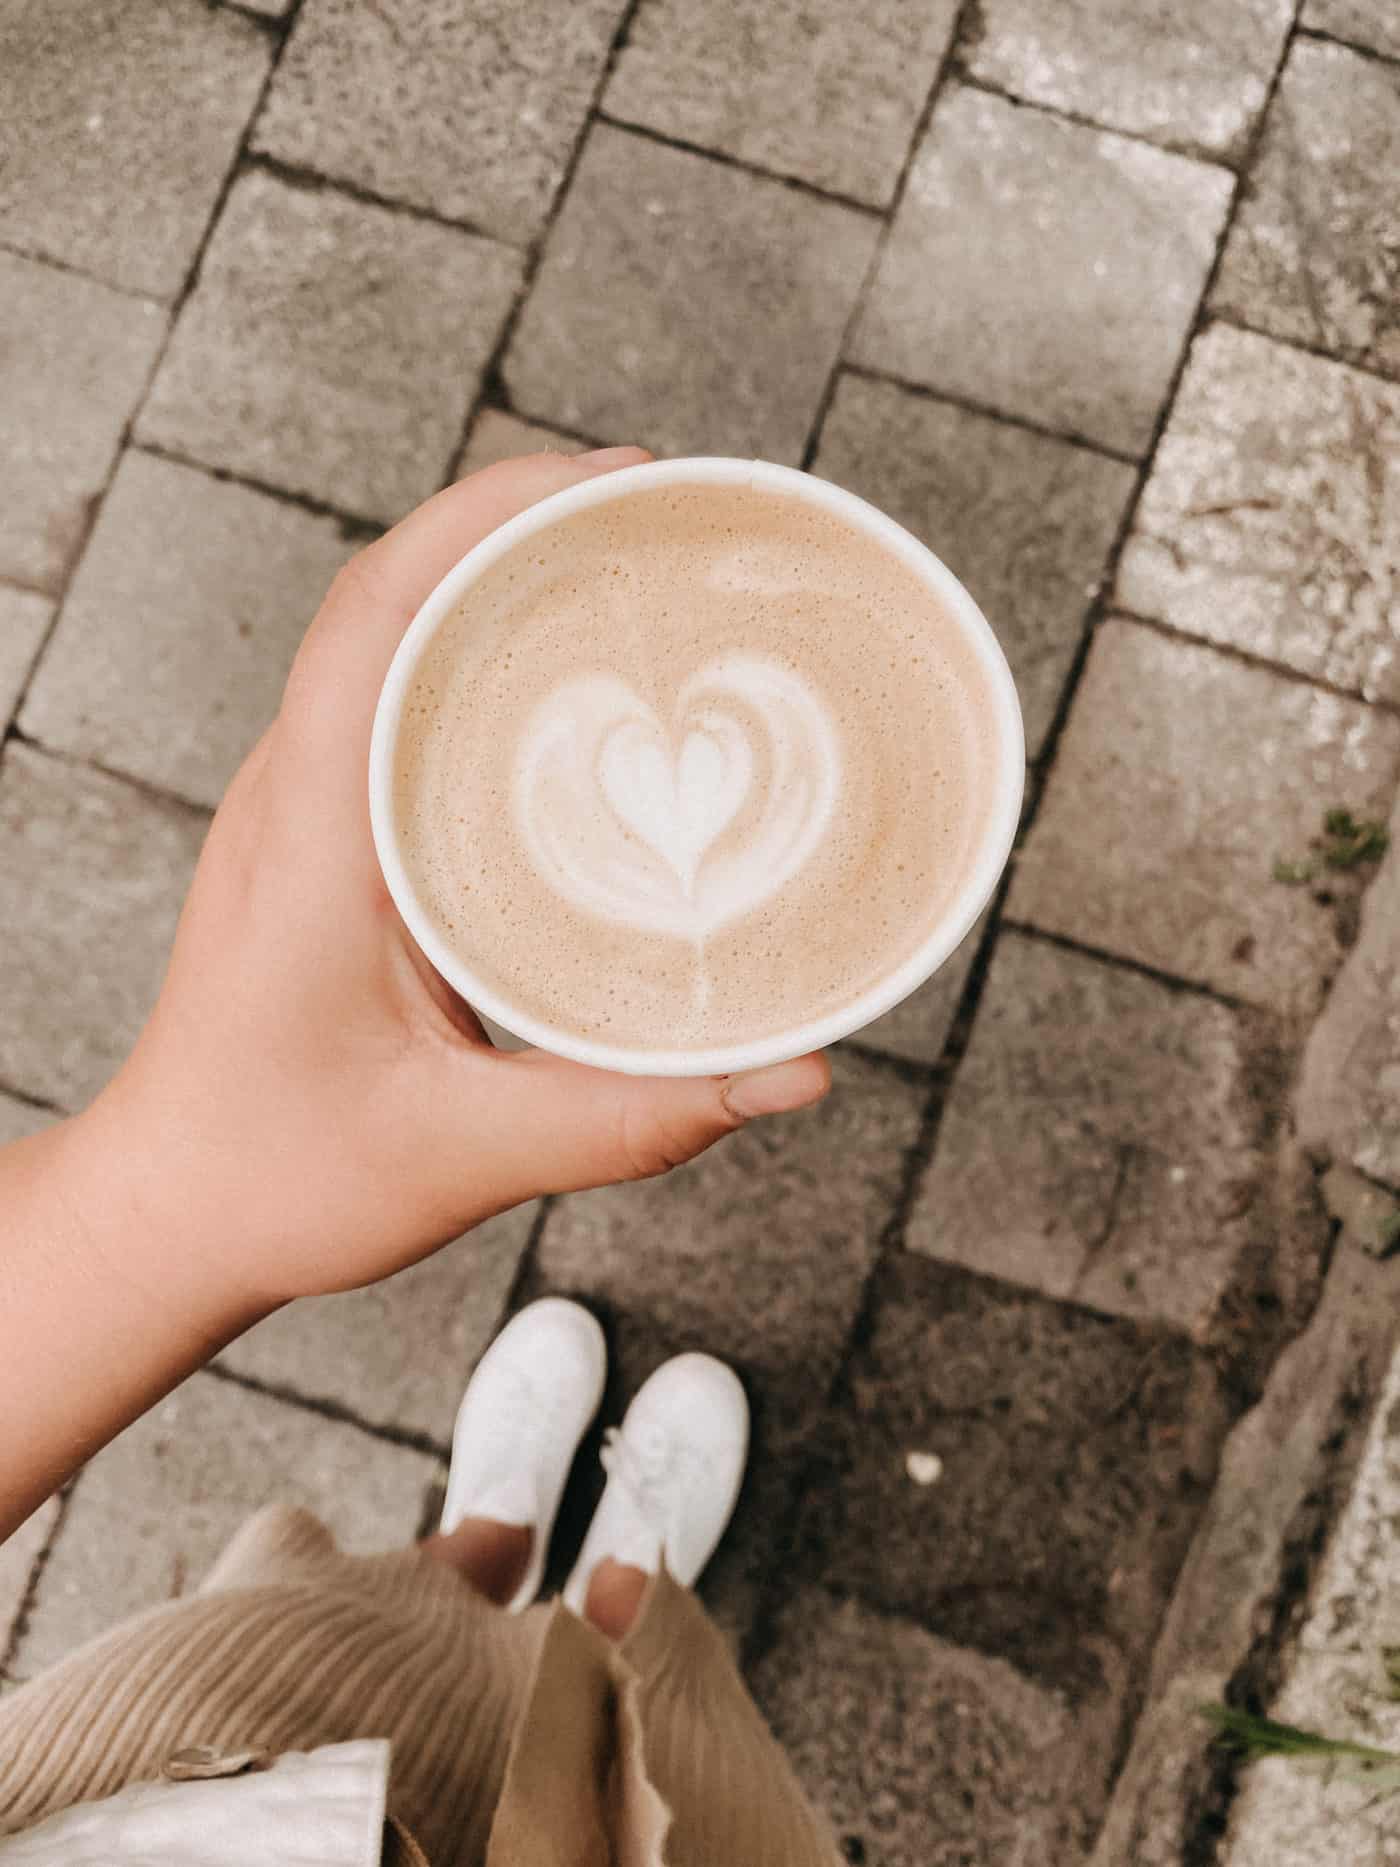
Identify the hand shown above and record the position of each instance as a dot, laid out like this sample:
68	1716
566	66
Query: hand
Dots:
310	1107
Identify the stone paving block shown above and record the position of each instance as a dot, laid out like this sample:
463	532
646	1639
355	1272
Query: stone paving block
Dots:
149	1515
1025	521
331	347
1195	74
1372	23
1283	1470
1349	1091
471	111
498	436
757	1253
830	93
1161	823
178	631
121	122
1314	255
1073	1452
1285	1817
1081	329
74	358
1101	1140
1069	262
918	1028
667	1253
921	1754
18	1554
398	1353
1271	520
24	622
1368	1210
686	305
92	877
1355	1602
18	1119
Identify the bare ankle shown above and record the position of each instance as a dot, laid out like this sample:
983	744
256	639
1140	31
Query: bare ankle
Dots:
615	1592
492	1556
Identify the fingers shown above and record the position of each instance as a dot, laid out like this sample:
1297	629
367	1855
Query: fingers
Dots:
549	1126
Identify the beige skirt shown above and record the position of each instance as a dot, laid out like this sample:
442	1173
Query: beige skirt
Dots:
523	1740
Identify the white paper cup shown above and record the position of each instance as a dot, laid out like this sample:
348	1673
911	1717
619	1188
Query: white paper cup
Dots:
944	934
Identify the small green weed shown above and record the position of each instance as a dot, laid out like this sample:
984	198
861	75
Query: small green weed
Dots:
1345	843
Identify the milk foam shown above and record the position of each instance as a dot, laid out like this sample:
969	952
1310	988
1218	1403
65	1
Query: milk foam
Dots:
692	767
625	813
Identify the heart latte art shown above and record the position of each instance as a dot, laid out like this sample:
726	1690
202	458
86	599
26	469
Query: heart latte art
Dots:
675	826
690	767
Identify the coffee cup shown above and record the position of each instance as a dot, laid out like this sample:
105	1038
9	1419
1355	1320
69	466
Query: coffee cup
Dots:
666	783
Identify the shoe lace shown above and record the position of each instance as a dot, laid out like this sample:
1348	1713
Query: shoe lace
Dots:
653	1469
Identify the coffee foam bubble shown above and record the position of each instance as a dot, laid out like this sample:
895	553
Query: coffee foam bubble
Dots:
692	767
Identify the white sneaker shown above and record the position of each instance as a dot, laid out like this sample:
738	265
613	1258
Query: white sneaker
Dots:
674	1470
524	1412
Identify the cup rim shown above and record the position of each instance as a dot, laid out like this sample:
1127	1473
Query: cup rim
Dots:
943	938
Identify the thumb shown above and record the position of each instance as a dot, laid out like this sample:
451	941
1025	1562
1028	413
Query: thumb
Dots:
556	1127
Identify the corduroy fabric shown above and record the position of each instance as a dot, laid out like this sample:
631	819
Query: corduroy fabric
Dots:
517	1740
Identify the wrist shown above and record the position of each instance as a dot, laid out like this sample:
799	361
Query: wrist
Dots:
144	1223
101	1310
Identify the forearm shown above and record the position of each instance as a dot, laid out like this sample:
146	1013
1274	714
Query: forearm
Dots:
103	1306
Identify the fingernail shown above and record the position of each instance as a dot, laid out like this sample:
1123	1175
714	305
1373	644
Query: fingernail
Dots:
606	456
776	1090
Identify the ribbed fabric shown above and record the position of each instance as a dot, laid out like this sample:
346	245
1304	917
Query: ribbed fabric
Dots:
710	1757
518	1740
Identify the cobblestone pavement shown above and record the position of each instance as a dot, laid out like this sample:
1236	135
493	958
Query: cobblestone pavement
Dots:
1102	298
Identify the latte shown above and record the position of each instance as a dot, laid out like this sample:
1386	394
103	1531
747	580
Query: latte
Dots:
692	766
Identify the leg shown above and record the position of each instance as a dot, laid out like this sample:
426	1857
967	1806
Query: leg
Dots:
278	1543
703	1748
699	1777
525	1409
674	1470
296	1646
492	1556
615	1593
